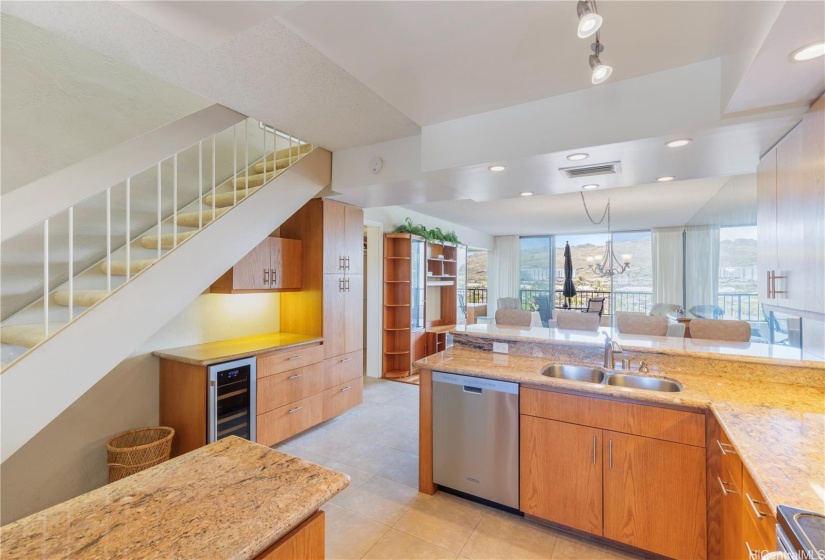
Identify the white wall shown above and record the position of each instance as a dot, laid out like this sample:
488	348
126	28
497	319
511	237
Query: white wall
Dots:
392	216
63	102
68	457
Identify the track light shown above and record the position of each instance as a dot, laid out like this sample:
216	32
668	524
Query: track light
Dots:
589	20
601	71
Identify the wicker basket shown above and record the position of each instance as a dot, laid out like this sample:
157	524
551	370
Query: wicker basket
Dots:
136	450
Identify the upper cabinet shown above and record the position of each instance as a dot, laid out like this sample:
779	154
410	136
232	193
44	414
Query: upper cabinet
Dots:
343	238
274	265
791	217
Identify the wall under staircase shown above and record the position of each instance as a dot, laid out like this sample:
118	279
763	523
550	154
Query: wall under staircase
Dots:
46	381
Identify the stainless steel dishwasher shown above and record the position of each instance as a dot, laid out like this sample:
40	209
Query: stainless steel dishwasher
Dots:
476	437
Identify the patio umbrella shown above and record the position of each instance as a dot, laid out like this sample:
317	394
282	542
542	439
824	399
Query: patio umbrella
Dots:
569	289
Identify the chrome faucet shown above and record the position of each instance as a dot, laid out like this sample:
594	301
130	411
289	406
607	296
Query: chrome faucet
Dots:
610	348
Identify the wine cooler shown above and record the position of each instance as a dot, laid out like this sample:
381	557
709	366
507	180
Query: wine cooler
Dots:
232	400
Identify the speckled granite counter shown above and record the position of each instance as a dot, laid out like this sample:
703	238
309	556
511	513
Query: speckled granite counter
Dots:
231	500
778	429
225	350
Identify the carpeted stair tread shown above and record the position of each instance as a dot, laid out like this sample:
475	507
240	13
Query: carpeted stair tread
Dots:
223	200
119	267
279	164
167	240
190	219
26	336
284	153
82	298
255	180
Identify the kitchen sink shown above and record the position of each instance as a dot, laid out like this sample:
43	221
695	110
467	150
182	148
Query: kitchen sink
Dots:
644	383
574	373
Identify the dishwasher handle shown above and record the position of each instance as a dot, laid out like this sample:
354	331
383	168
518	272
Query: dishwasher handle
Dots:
475	390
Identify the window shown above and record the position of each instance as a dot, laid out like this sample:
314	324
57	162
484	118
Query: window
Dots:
535	275
737	294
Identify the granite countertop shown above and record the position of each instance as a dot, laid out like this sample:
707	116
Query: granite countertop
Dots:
777	429
770	354
231	499
225	350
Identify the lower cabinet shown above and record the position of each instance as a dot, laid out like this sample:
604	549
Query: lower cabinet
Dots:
305	542
585	465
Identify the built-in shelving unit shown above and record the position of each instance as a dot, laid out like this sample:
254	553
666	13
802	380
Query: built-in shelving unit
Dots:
398	299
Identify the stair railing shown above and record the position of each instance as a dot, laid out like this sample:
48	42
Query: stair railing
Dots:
192	206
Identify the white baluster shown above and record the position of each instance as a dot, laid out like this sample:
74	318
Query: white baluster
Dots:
109	239
246	148
200	185
234	165
71	263
45	278
213	177
175	202
263	128
128	228
159	211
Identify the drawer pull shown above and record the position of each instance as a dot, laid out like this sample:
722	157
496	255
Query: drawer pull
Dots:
759	514
724	486
346	389
610	453
726	448
594	450
344	360
296	409
293	358
296	376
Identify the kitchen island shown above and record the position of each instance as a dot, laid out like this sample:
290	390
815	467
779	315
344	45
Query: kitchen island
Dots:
232	499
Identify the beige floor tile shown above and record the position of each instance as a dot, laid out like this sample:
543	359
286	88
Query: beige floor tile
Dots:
578	549
380	499
443	520
403	469
371	457
349	535
504	536
396	545
357	478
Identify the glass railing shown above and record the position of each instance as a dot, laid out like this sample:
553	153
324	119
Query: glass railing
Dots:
56	270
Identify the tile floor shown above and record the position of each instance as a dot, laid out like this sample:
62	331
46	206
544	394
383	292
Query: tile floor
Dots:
381	515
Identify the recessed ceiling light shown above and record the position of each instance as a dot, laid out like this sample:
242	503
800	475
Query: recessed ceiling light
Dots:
578	157
808	52
497	167
665	179
679	143
590	187
527	193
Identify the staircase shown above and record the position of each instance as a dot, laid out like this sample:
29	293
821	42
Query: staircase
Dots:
93	312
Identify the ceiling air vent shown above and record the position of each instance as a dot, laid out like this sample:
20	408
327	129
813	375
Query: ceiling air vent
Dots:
590	170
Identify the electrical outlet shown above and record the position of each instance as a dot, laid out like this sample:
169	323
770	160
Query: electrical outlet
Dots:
501	347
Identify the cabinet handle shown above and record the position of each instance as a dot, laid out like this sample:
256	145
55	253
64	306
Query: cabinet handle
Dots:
346	389
296	376
341	263
774	278
768	286
346	280
724	486
752	554
610	453
726	448
759	514
340	284
296	409
273	274
293	358
594	450
346	263
266	277
344	360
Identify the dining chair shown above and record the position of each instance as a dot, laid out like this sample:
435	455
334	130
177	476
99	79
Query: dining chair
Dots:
719	329
513	318
508	303
639	323
575	320
595	305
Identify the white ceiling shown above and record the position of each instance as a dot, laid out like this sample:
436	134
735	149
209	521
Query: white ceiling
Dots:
436	61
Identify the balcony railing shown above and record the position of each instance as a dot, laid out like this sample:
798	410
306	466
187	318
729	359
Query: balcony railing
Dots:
739	306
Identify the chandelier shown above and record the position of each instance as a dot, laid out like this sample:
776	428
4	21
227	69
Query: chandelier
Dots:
610	265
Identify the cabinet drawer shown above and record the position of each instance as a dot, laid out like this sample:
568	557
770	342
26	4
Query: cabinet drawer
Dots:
643	420
341	398
757	512
290	386
270	364
731	463
341	369
277	425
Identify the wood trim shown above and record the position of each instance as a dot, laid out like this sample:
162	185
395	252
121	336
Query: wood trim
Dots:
644	420
183	402
425	433
304	542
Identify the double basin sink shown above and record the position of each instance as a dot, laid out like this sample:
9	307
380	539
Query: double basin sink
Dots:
600	376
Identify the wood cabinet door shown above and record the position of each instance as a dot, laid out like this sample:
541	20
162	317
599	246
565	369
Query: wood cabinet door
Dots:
814	156
731	516
286	264
354	239
654	495
354	313
252	271
334	236
561	473
335	315
792	262
766	222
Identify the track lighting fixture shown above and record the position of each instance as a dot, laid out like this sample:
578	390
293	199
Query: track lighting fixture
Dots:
589	20
601	71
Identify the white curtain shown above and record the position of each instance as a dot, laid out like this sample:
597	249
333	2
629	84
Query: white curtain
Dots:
701	265
503	277
668	265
